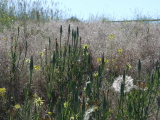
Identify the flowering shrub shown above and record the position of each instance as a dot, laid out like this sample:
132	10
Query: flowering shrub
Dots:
128	84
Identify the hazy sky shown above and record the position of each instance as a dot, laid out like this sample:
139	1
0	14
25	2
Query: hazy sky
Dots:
117	9
113	9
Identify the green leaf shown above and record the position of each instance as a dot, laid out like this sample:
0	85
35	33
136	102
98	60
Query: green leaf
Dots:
103	61
83	106
31	63
61	29
139	68
104	107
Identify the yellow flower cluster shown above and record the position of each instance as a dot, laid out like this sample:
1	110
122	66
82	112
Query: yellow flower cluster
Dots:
17	106
36	67
28	60
41	54
72	118
85	46
65	104
98	59
96	74
111	37
38	101
96	108
106	60
120	50
2	91
129	66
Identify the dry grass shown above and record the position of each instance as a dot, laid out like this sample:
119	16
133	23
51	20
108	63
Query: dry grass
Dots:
139	44
137	41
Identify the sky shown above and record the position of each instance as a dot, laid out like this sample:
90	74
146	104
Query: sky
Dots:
113	9
110	9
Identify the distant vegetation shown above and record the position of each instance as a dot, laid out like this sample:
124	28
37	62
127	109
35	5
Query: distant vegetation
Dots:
73	19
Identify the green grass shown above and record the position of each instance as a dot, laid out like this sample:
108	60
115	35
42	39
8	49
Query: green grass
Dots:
67	69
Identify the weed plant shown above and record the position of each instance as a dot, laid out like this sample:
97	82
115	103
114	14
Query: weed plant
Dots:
96	71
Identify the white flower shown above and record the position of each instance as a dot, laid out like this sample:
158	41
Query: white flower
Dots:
128	84
38	101
88	83
88	112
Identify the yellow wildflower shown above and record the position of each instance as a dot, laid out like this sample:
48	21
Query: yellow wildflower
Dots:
111	37
98	59
84	88
38	101
72	118
36	67
136	30
95	74
65	104
17	106
106	60
95	108
50	114
85	46
129	66
41	54
2	91
35	95
4	38
120	50
112	60
28	60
